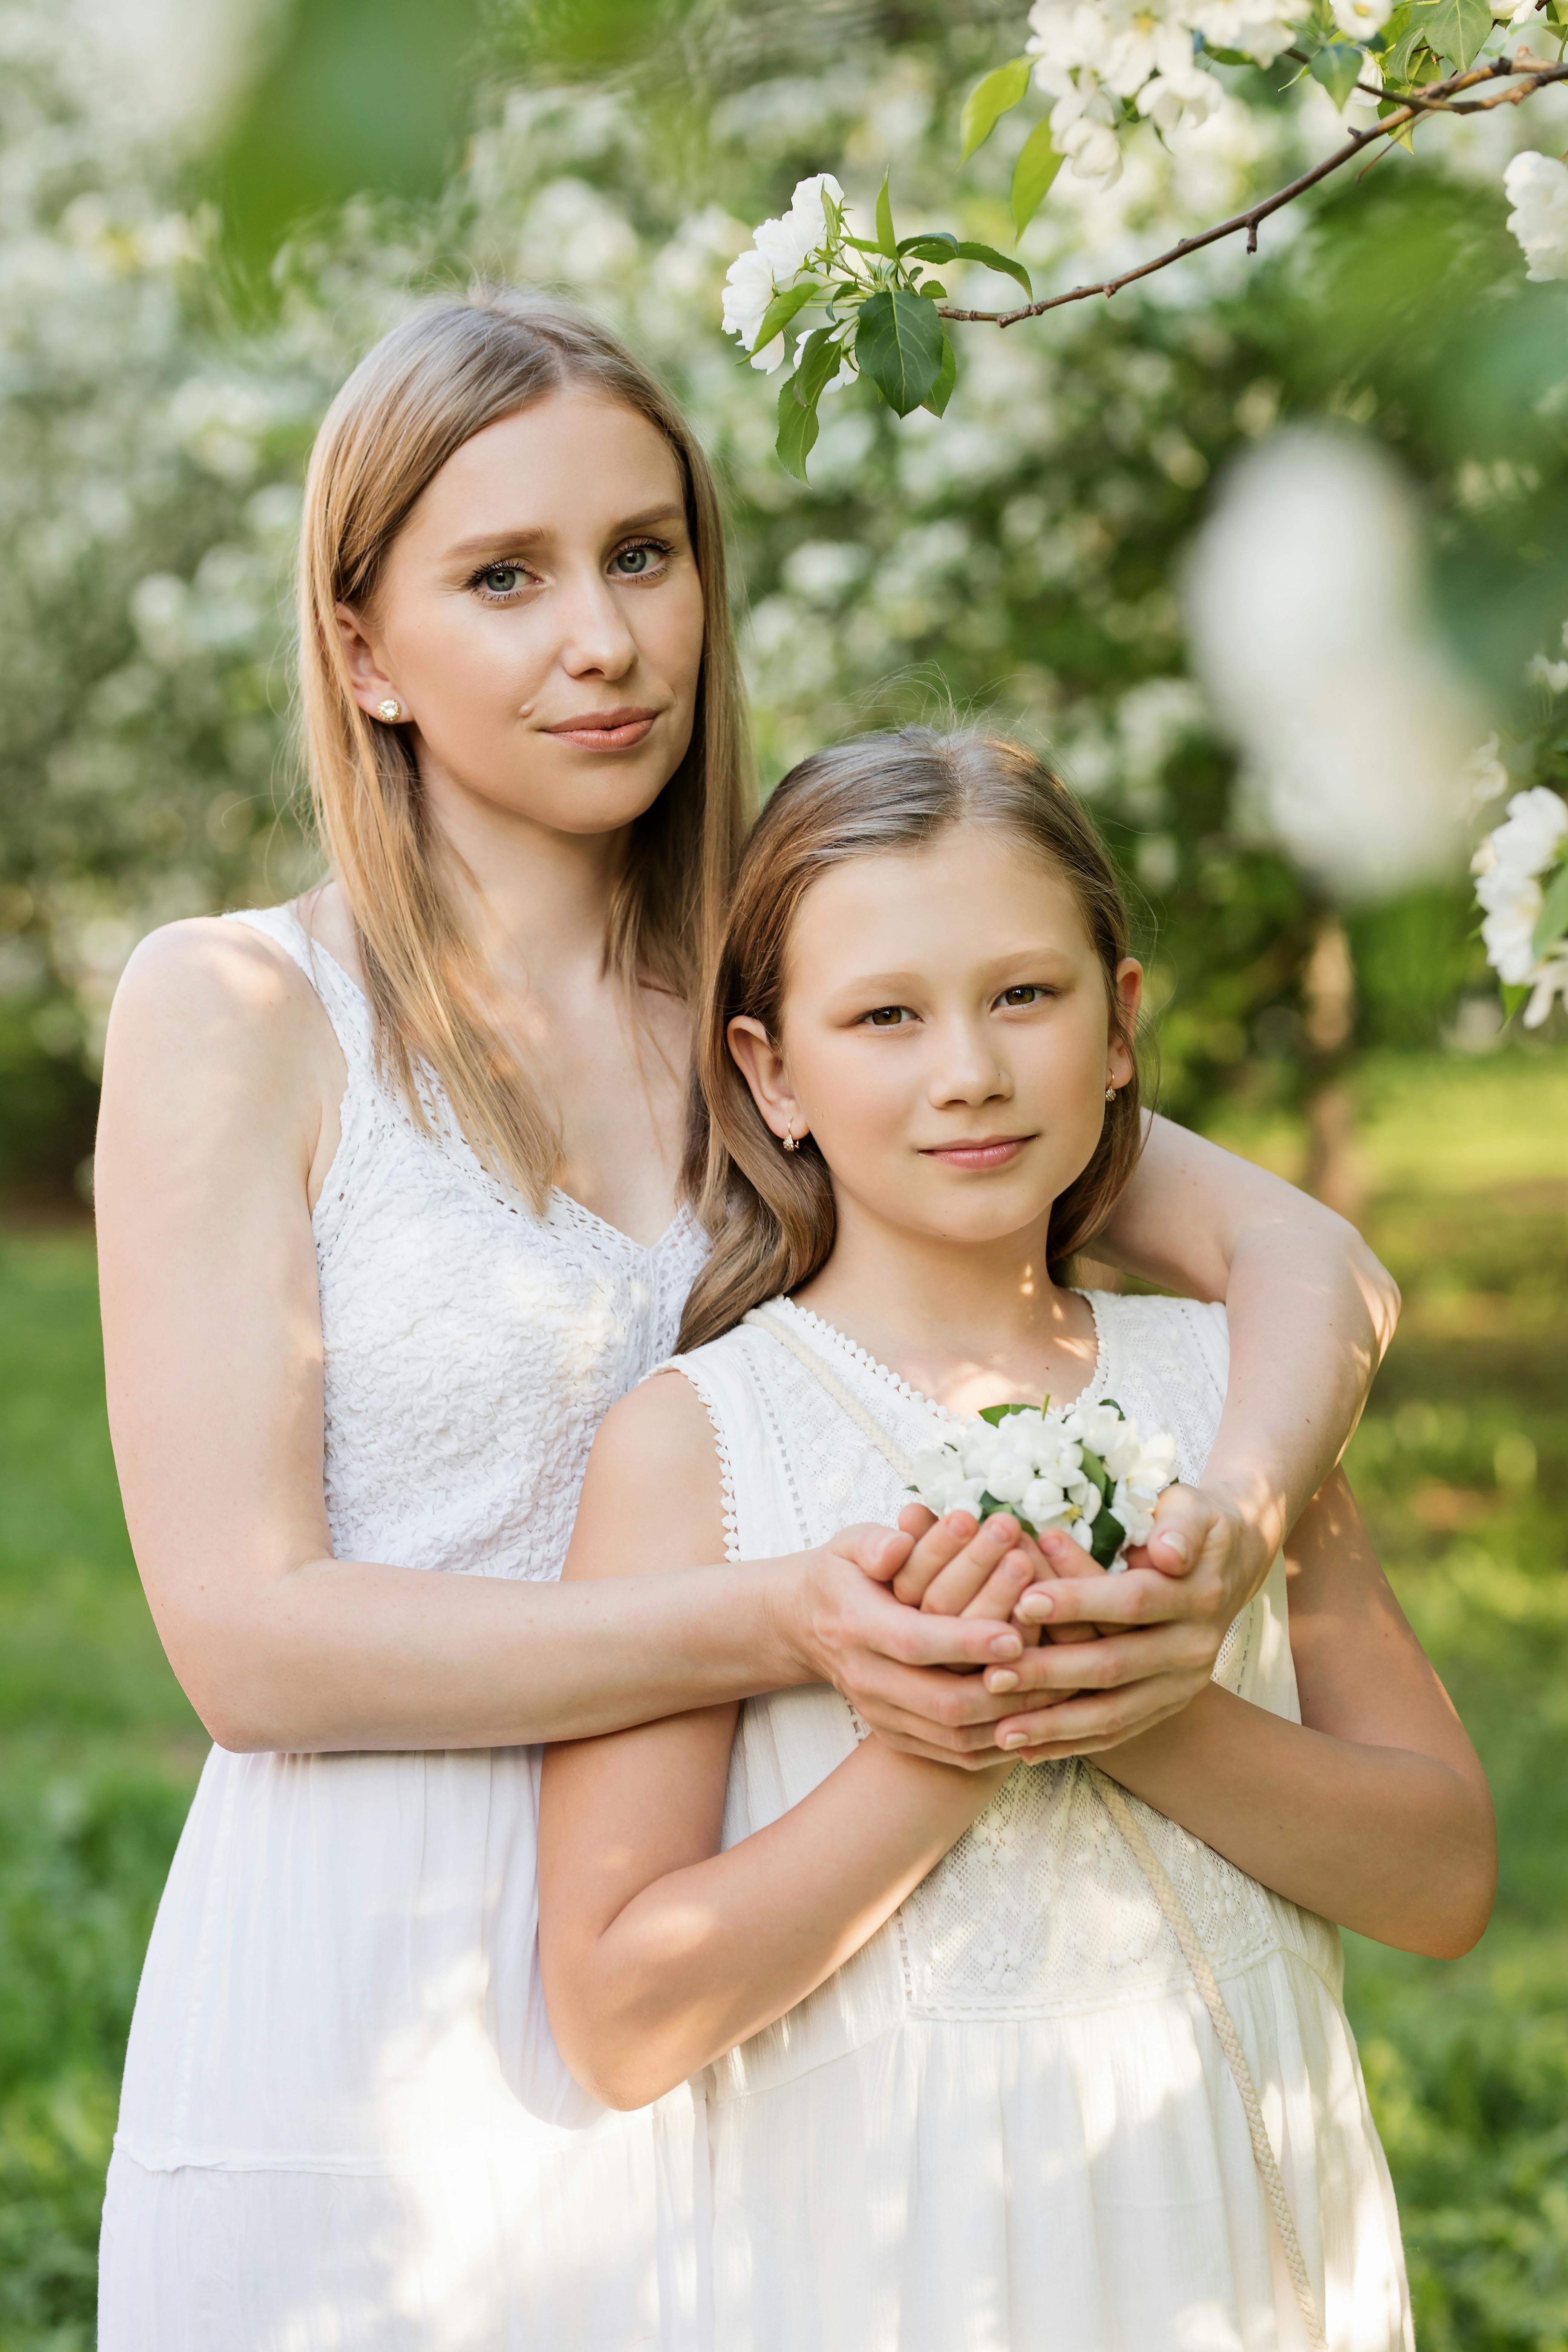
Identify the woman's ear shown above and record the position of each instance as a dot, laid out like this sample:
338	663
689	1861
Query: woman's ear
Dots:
761	1066
370	685
1129	997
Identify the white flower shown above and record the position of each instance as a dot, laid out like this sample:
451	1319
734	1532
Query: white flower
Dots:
1537	188
1032	1463
1531	837
1360	19
748	290
1551	982
1485	773
1543	671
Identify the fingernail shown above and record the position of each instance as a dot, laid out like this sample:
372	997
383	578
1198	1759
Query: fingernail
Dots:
1006	1645
1033	1606
1001	1680
1177	1542
1015	1740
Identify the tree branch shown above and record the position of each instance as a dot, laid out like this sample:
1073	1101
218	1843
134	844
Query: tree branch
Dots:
1434	98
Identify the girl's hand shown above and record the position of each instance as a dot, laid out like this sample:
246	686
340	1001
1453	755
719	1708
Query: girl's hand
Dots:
962	1567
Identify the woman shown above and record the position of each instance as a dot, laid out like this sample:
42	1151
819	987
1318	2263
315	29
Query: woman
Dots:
955	2080
388	1208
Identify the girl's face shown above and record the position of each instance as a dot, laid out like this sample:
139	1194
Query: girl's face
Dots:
540	617
946	1037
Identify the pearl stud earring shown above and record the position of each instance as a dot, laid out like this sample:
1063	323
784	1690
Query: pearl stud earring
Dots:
391	710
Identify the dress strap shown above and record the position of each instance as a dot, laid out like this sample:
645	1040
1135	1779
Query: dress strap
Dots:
1126	1820
343	1000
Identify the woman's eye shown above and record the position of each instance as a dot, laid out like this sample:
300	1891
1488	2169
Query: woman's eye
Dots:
636	562
501	579
886	1017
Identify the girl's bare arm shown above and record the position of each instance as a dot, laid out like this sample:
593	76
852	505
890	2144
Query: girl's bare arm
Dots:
1373	1810
660	1952
221	1083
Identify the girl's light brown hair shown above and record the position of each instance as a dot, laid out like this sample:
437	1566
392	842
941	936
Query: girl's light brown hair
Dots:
770	1213
423	391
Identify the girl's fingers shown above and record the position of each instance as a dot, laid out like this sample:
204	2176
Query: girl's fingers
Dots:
1002	1591
965	1575
937	1543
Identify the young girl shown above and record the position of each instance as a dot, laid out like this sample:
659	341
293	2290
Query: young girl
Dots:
1007	2063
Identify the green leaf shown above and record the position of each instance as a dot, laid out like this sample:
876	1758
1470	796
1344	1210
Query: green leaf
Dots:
936	244
1228	57
781	310
819	365
1454	29
998	1413
1110	1534
989	100
1514	993
1393	31
941	393
898	342
931	289
971	251
1553	920
886	241
1035	168
797	431
1338	67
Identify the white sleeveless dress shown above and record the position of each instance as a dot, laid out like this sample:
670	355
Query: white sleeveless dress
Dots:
1006	2125
344	2124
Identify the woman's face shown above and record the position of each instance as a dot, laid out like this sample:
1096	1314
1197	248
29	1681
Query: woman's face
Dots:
946	1037
539	617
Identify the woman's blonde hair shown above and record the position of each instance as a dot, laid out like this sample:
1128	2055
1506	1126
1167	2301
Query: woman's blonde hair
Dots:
770	1213
423	390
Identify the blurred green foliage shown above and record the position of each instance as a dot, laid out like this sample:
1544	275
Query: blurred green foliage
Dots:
1461	1465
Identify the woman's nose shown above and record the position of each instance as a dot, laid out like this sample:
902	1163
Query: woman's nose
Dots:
595	636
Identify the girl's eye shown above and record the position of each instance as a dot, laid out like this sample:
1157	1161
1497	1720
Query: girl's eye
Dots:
888	1016
501	579
1030	992
637	563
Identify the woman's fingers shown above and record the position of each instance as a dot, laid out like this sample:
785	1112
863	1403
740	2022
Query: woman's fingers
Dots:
1090	1723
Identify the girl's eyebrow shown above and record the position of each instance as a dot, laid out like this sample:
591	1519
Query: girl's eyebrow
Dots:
537	535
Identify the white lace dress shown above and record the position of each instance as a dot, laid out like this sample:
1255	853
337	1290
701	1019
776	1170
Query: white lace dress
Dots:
343	2122
1006	2125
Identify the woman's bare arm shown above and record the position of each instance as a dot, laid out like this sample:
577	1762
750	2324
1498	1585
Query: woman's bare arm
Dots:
1311	1313
1373	1810
660	1952
221	1083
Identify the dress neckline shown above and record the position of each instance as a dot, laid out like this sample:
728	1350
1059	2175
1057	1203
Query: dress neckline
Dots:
1093	1389
574	1211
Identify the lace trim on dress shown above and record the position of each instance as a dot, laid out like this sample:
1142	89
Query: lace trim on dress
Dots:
1090	1393
683	1365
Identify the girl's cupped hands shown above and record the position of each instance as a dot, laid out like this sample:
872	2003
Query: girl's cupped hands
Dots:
931	1681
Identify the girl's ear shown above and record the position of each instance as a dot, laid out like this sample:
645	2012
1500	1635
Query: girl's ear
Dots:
761	1064
1129	997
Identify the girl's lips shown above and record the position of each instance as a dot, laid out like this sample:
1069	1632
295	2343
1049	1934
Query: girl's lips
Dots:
978	1155
619	736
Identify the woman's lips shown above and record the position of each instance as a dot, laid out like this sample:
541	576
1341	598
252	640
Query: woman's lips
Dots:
606	730
995	1154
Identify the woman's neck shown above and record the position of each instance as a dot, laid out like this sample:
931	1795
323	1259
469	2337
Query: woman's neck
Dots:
967	1324
540	898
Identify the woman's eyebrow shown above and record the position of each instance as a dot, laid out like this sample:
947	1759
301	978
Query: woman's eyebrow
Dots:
536	534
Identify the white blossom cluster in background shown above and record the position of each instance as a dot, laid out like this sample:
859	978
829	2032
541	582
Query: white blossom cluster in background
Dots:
779	252
1086	1469
1537	188
1522	877
1094	56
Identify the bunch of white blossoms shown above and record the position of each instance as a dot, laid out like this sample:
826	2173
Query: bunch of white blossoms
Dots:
1099	58
1537	188
1085	1468
779	252
1526	914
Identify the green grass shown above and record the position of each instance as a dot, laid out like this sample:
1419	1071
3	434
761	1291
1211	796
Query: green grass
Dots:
1462	1466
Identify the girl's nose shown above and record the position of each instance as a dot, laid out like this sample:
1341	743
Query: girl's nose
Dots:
967	1070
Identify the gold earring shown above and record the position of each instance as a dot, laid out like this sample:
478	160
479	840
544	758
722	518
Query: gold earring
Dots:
1111	1094
391	710
788	1138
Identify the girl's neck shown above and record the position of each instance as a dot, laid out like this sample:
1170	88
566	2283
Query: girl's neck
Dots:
967	1326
